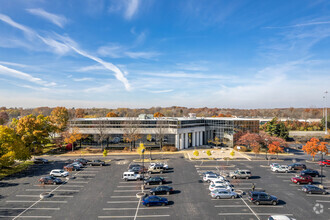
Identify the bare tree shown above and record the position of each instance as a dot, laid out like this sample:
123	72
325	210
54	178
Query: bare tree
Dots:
131	132
101	127
160	133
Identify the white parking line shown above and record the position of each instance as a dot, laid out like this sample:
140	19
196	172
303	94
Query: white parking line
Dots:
322	201
215	166
122	202
128	186
56	196
132	182
286	180
318	195
119	209
30	208
123	196
137	209
60	190
33	217
86	174
21	201
73	181
66	185
132	216
250	209
254	206
240	188
252	214
90	171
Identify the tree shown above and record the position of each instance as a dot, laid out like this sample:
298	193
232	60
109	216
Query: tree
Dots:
112	114
101	127
4	117
249	140
277	129
71	136
160	133
313	146
33	131
11	147
131	132
275	148
149	137
215	141
328	121
256	149
158	115
60	117
80	113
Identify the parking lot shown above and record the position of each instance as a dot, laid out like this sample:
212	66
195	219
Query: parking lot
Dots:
100	193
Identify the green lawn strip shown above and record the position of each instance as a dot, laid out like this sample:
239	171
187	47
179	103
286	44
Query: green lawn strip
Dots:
15	169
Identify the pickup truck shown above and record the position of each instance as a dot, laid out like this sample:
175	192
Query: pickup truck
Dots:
96	163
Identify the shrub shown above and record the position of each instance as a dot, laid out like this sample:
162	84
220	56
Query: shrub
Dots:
242	148
105	153
126	149
169	148
208	152
196	153
173	149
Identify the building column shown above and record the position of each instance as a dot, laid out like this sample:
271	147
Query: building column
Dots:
193	139
177	141
197	138
186	140
181	141
200	138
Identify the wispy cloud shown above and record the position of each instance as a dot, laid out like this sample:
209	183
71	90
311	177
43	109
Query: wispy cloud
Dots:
191	67
144	55
9	21
90	68
23	76
162	91
301	25
12	64
83	79
58	20
118	51
128	7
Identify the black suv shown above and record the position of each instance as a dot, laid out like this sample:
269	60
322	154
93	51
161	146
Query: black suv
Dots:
155	180
297	166
258	198
161	190
308	172
40	161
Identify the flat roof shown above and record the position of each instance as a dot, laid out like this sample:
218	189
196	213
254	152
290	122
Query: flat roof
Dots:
165	119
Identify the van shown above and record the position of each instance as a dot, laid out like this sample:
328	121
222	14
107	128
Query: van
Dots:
131	176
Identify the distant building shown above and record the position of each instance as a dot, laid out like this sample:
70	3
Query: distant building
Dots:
182	132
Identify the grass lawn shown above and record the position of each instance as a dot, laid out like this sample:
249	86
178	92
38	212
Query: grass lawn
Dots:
14	169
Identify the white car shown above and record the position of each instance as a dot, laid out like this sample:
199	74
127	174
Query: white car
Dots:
280	217
58	173
213	187
212	177
274	165
164	165
280	169
220	182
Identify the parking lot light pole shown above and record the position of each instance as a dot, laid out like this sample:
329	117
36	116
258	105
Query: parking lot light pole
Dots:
142	187
322	153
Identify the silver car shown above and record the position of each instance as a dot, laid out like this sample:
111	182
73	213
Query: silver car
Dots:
223	194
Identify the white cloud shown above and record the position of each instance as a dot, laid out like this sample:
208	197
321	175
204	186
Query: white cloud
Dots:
12	64
118	51
24	76
162	91
140	54
83	79
312	23
58	20
9	21
90	68
132	7
128	7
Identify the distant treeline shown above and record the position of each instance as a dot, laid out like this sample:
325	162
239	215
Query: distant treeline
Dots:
175	111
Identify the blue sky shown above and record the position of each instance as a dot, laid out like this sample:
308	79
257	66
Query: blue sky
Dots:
143	53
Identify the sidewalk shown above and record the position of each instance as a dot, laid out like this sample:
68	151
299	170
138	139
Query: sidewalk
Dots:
216	154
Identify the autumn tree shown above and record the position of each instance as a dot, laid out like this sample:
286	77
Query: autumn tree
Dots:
72	135
112	114
255	148
4	117
275	148
60	117
11	147
33	131
249	140
216	141
313	146
158	115
80	113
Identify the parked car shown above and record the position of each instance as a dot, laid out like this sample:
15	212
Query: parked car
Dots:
324	162
154	200
40	161
82	161
212	177
115	140
274	165
96	163
309	172
213	187
155	180
280	217
59	173
280	169
260	198
71	167
208	172
78	164
161	190
139	169
131	176
297	166
220	182
302	180
311	189
164	165
223	194
156	169
246	174
50	180
133	165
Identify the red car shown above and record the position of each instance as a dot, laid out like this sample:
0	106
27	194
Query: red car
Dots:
324	163
302	179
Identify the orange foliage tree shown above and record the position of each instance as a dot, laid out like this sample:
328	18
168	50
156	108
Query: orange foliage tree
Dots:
158	114
72	136
275	148
111	114
313	146
80	113
249	140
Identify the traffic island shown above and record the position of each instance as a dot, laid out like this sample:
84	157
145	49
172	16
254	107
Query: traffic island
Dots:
45	195
140	195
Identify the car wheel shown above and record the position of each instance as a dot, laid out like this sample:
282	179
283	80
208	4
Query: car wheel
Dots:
309	183
286	171
147	204
148	183
161	171
233	197
218	197
274	203
298	183
90	165
168	193
324	193
54	183
257	203
161	183
310	192
153	193
163	204
247	177
234	177
276	171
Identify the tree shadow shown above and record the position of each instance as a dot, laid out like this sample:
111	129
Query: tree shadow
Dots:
4	184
